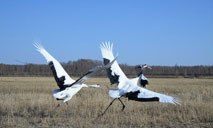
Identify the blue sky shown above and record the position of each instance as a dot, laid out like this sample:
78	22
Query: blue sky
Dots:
156	32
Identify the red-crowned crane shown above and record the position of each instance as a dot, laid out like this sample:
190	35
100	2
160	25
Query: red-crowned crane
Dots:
67	86
128	88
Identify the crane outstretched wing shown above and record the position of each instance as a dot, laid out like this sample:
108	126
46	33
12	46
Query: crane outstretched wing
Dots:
115	74
91	72
61	76
145	95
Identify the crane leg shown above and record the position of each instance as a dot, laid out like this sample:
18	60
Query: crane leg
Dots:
107	107
56	108
122	104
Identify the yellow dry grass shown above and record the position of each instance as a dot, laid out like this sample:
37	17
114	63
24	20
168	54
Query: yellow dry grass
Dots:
25	102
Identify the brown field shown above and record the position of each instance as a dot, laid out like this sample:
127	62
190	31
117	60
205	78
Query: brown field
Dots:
26	102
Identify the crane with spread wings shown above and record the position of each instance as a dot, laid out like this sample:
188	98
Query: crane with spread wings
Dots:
128	88
67	86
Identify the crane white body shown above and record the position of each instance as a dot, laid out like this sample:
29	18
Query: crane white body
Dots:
68	93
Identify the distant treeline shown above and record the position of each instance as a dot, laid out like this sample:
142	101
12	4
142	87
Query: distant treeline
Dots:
80	67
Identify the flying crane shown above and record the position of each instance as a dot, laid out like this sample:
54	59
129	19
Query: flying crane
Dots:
67	86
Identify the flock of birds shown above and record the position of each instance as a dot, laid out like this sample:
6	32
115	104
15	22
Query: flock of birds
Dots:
127	88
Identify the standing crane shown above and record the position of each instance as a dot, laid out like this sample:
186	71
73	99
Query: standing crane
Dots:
67	86
128	88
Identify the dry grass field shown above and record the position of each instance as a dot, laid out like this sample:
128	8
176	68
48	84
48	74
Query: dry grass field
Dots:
26	102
